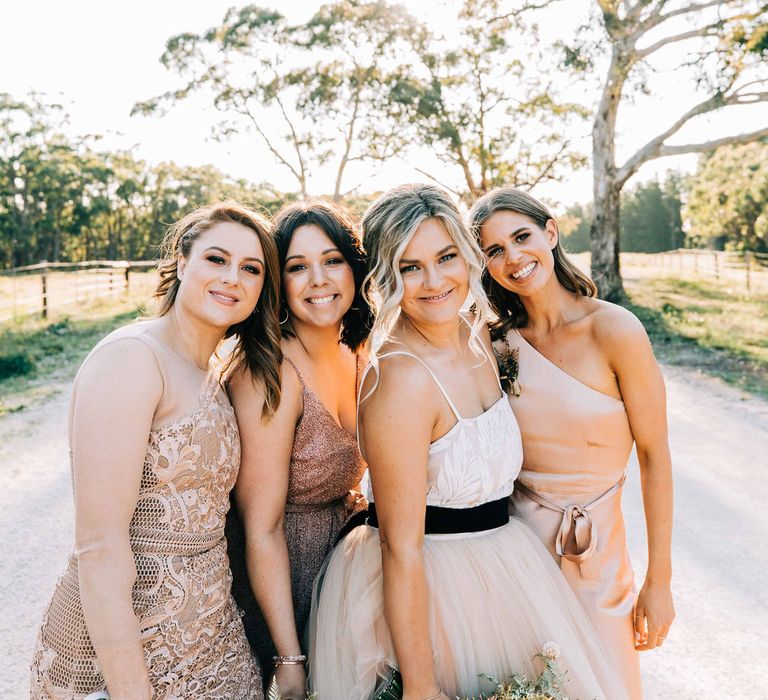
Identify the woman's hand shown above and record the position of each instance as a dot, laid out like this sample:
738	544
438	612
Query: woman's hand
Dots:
292	681
654	614
439	696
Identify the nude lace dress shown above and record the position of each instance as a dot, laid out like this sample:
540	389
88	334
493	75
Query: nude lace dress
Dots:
193	637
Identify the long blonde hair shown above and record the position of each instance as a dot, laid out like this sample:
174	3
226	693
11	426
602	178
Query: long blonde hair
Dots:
388	226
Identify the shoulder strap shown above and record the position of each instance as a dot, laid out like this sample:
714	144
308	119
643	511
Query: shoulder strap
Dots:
434	376
295	369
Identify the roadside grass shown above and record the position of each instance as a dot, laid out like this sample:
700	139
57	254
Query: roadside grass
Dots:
705	325
44	355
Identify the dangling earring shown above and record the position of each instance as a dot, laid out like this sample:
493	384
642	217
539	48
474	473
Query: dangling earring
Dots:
283	321
255	310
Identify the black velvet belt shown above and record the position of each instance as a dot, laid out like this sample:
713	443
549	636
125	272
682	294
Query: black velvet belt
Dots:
442	521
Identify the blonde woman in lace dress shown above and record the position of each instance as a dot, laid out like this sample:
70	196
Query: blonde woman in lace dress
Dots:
297	485
144	609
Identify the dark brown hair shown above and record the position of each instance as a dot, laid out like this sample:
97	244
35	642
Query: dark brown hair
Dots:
507	305
338	225
258	336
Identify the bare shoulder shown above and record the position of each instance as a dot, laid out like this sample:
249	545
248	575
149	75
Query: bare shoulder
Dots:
613	325
398	380
248	393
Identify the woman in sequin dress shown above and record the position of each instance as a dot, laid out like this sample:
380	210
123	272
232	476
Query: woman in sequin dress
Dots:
300	471
144	609
588	388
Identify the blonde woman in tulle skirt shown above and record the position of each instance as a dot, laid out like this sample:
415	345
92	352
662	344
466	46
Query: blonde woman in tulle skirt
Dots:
440	584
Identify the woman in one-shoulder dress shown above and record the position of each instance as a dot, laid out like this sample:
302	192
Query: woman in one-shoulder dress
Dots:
440	583
300	471
588	388
144	609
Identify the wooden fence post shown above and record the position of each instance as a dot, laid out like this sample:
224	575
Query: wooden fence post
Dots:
717	268
127	278
44	279
747	258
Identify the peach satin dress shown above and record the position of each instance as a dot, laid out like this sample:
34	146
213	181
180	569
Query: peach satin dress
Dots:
576	444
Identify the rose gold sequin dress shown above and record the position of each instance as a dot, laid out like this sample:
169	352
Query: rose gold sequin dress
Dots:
576	444
325	469
191	632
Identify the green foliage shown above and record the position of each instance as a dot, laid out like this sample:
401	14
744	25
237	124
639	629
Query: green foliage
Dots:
312	93
61	199
479	100
15	364
650	217
728	202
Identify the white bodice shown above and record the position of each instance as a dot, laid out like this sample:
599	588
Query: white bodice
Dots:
476	461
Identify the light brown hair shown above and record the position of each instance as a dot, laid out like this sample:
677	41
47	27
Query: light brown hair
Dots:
507	305
258	337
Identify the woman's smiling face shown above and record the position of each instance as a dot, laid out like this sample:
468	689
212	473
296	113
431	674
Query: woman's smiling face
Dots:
435	275
318	282
518	251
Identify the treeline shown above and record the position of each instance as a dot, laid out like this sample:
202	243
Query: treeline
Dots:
64	199
722	206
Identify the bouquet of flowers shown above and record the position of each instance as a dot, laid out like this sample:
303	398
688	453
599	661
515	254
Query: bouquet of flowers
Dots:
548	686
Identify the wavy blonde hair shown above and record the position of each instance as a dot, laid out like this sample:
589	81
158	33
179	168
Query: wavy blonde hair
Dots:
258	337
388	226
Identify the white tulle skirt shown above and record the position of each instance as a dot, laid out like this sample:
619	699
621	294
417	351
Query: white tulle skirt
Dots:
495	598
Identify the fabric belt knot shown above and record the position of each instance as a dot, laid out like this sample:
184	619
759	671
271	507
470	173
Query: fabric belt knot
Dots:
577	537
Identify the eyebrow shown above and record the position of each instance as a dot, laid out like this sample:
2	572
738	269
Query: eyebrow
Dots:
226	252
325	252
437	255
514	233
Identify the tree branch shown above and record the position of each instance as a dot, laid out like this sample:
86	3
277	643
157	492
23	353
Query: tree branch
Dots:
708	30
657	17
712	145
656	148
432	177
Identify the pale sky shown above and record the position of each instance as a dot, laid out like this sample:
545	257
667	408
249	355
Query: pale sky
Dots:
101	56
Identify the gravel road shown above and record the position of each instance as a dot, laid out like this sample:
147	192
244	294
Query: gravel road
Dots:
715	650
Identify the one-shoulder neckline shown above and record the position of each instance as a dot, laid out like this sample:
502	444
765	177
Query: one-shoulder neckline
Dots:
561	371
466	419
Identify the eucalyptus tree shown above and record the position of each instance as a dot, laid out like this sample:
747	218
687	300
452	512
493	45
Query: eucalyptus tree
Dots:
313	93
725	41
482	100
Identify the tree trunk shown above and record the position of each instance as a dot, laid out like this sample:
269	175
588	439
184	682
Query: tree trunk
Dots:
605	239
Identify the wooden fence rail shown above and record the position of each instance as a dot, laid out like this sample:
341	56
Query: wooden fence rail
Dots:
35	289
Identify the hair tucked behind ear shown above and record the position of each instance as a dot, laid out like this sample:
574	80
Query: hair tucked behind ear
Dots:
258	337
507	305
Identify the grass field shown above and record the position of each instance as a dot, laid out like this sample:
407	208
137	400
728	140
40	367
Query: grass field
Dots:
706	325
700	324
49	352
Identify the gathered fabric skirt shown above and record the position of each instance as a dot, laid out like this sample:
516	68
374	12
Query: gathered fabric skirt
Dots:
495	598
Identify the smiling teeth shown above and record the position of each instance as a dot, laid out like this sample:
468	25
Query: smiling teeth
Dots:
222	296
439	296
525	271
322	300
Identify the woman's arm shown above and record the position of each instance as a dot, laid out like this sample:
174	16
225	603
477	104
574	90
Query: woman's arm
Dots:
642	389
117	393
397	423
261	492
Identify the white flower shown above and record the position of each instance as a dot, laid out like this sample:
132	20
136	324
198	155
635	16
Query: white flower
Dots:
550	650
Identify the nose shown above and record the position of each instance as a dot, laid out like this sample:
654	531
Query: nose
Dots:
317	276
229	274
512	255
432	278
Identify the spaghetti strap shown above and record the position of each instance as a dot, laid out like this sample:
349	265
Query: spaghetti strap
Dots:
434	376
295	369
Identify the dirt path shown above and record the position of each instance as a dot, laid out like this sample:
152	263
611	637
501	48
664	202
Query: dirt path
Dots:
719	442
